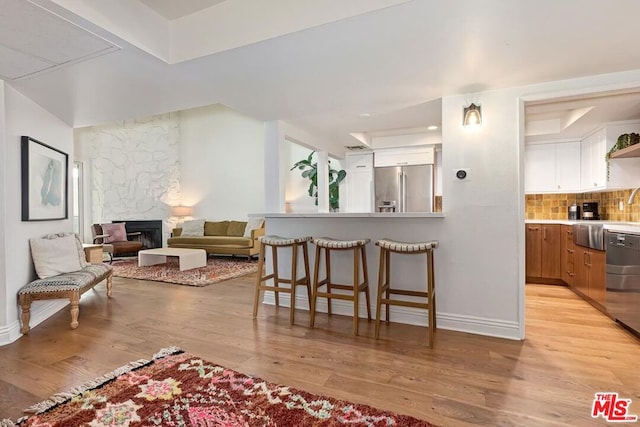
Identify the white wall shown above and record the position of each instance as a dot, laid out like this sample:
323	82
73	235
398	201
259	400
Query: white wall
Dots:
3	208
24	117
133	169
222	167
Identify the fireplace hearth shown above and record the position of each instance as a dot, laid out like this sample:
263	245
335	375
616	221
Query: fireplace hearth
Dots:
151	231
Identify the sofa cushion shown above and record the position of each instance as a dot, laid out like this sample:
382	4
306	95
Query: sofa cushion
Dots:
194	227
236	228
53	256
208	241
216	228
252	224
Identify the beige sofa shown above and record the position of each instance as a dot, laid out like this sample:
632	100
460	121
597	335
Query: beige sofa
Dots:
220	238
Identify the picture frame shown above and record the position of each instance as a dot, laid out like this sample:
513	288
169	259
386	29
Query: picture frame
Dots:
45	176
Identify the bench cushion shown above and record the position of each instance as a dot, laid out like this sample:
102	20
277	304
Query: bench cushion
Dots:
76	280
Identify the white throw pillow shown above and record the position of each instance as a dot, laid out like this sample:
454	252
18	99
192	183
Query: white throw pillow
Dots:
194	228
252	224
82	256
53	256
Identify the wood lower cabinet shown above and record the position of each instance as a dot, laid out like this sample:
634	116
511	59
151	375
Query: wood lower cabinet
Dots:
543	252
552	257
567	255
590	274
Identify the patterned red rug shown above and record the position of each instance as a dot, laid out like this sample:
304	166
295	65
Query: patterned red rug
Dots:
217	270
179	389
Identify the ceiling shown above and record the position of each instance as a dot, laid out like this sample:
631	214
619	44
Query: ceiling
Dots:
319	65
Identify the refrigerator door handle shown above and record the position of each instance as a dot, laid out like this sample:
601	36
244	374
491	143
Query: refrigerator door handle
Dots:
400	192
404	193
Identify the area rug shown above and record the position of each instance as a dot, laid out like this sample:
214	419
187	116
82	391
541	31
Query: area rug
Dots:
179	389
217	270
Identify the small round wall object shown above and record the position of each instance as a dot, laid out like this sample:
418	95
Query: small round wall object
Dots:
461	174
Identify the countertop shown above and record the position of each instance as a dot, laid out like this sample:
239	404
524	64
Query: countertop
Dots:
352	215
619	226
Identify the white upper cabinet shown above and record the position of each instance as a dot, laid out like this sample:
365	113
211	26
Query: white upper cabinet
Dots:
552	168
594	168
359	182
621	173
404	156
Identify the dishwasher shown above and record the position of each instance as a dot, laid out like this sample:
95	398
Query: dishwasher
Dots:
623	278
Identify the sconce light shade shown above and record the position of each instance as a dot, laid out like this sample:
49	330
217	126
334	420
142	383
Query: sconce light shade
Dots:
472	116
181	211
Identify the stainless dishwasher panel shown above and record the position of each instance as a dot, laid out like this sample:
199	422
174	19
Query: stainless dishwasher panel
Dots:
589	235
623	278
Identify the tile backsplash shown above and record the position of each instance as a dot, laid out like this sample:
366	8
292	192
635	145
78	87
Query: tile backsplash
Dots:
555	206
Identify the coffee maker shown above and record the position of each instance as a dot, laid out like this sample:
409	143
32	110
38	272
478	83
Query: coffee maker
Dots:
590	210
574	212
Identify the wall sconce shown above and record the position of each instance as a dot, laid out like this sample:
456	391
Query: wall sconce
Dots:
181	211
472	116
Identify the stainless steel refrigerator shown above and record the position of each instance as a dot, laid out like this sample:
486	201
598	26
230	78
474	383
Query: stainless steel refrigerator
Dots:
404	188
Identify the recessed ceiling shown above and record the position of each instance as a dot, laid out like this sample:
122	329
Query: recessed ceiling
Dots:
575	117
33	39
393	59
174	9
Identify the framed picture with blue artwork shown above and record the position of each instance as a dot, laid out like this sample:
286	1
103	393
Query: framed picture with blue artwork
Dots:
44	181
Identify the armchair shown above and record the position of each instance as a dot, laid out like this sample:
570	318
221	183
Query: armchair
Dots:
115	239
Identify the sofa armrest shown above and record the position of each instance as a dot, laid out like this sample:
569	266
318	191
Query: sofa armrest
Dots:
257	232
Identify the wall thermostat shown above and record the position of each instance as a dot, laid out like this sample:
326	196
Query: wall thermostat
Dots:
461	174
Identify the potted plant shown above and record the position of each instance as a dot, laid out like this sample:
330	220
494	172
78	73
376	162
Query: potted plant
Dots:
624	141
309	170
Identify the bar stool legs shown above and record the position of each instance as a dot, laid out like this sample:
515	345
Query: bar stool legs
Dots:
282	242
359	260
384	286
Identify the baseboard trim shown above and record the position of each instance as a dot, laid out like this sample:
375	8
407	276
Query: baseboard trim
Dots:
40	311
413	316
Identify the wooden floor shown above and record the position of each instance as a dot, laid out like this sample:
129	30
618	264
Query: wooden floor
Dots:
571	352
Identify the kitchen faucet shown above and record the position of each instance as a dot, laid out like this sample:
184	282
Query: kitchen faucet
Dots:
632	196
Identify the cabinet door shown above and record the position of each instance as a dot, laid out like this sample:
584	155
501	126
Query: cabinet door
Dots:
550	267
597	262
404	156
359	190
582	270
567	255
568	166
593	173
539	169
533	248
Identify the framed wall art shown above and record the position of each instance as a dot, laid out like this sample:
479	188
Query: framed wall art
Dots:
44	181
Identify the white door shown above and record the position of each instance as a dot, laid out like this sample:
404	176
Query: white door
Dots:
568	166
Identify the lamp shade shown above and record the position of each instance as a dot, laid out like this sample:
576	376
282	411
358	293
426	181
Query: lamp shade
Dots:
181	211
472	115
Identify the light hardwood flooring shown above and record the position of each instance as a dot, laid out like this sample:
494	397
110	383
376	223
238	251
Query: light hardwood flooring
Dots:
571	352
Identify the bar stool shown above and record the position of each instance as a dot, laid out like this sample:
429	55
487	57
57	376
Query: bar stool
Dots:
276	242
359	260
386	248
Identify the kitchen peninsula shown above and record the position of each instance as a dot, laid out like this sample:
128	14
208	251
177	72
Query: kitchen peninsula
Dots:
409	271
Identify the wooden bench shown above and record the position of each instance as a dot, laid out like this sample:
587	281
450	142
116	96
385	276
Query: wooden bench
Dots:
67	285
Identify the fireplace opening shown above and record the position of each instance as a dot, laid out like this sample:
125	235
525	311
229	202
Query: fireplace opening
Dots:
151	231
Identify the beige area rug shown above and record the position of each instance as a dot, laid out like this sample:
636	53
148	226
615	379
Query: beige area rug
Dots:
217	270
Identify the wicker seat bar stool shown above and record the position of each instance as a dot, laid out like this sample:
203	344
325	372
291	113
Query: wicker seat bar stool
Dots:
359	261
277	242
385	290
